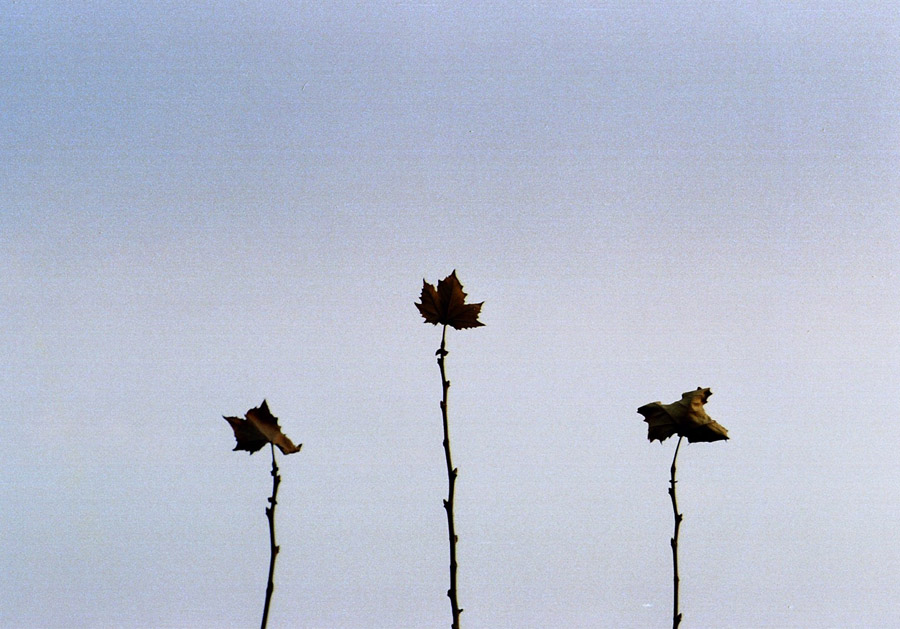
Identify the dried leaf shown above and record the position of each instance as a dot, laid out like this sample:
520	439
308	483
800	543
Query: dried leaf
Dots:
259	428
446	304
686	418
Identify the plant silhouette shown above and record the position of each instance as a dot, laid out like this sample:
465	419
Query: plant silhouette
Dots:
258	428
446	305
686	418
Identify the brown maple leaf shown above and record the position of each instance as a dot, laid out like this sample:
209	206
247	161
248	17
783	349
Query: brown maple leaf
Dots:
686	418
259	428
446	304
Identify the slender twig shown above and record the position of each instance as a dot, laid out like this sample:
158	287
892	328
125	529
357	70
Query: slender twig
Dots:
676	615
270	514
452	472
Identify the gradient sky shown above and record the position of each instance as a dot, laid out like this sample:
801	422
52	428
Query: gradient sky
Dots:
206	204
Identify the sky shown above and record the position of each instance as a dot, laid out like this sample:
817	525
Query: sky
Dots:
208	204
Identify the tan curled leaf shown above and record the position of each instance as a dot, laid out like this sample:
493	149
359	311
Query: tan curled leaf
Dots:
686	417
259	428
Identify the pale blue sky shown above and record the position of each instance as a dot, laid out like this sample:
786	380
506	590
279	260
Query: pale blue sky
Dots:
207	204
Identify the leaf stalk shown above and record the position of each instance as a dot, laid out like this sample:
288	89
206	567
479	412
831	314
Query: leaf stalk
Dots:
676	615
452	473
273	548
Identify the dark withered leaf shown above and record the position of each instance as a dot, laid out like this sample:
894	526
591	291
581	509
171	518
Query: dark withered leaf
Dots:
258	428
446	304
686	417
430	307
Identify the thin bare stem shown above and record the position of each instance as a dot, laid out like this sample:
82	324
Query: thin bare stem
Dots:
270	514
452	472
676	615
